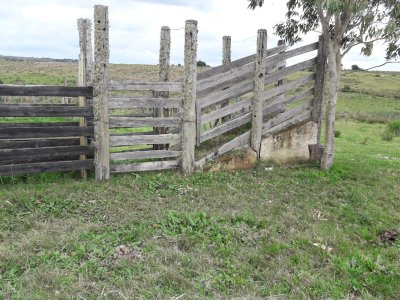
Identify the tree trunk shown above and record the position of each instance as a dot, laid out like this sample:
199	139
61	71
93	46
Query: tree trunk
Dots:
334	68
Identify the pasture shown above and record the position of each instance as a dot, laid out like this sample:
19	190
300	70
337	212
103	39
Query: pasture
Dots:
290	232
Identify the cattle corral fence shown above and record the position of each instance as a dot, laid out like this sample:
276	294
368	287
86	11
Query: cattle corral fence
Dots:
127	126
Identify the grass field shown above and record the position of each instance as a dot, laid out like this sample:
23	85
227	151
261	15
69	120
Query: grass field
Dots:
289	233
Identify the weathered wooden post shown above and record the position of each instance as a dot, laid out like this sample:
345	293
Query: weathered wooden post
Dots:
258	100
164	70
189	102
317	150
226	49
85	73
319	86
281	82
226	59
100	85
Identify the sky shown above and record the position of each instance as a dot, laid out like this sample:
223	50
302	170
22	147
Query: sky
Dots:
48	28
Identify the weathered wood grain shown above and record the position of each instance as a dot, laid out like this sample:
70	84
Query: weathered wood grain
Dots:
131	140
37	143
15	154
299	96
237	143
43	132
227	110
129	85
47	124
257	111
11	170
128	122
145	154
45	90
294	52
47	111
146	166
285	72
290	122
144	102
225	127
288	86
234	91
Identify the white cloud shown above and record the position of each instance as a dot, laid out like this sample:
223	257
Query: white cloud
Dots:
47	28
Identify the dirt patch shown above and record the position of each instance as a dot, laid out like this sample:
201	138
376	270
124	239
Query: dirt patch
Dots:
242	160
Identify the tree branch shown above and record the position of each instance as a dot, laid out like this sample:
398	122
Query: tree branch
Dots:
385	63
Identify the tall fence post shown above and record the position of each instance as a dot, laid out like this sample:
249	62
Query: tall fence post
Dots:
164	70
319	86
226	59
258	99
100	80
189	102
84	75
281	82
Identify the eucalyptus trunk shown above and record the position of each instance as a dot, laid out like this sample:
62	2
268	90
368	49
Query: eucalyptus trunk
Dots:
334	69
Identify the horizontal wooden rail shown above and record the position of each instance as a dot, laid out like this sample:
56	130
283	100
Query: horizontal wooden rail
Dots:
15	154
234	91
146	166
47	111
290	122
43	132
237	143
288	86
285	72
128	122
45	90
46	124
294	52
225	127
145	154
237	63
37	143
131	140
11	170
297	97
144	102
145	86
226	111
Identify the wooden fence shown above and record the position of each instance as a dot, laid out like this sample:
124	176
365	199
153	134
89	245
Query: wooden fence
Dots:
143	126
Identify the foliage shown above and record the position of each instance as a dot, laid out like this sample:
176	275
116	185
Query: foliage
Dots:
356	68
201	63
394	126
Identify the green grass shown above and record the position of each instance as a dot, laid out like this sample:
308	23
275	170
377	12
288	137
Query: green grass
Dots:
214	235
290	233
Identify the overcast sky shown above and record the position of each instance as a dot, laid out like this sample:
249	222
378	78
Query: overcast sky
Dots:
47	28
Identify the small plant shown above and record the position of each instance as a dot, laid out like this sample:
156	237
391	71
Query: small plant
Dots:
201	63
387	136
346	89
338	133
394	127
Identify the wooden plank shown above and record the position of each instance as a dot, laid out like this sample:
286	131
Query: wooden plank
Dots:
129	85
290	122
285	72
297	97
128	122
15	154
225	127
146	166
257	111
11	170
236	63
43	132
282	118
101	83
227	110
48	111
217	80
45	90
47	124
294	52
144	102
131	140
145	154
288	86
234	91
237	143
37	143
39	159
